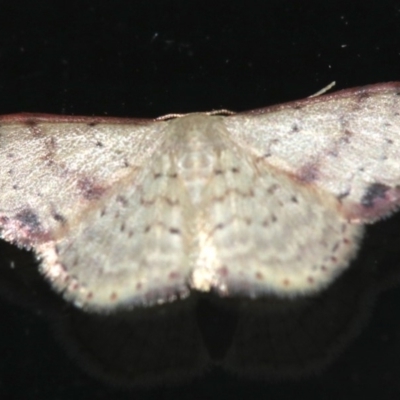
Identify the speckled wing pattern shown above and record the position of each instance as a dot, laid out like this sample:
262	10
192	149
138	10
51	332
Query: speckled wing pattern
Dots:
126	212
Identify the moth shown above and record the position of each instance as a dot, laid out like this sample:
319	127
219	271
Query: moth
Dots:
128	212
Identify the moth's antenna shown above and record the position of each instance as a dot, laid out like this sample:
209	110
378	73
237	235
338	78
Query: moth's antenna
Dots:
324	90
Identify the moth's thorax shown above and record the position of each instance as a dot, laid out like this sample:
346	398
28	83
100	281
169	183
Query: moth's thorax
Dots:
197	141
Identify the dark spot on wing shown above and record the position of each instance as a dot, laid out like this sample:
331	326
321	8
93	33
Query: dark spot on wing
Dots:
92	123
345	138
173	275
286	282
59	218
308	173
33	127
146	203
90	190
364	95
122	200
51	144
335	247
30	122
171	202
24	228
29	219
99	144
343	195
272	189
373	193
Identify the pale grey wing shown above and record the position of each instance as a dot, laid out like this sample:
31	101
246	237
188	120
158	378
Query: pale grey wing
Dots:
133	249
57	173
346	143
260	231
55	168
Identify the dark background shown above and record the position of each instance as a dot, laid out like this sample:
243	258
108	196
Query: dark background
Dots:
145	59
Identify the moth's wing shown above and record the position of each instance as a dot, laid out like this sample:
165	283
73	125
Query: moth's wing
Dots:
54	168
346	143
62	193
133	250
260	231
